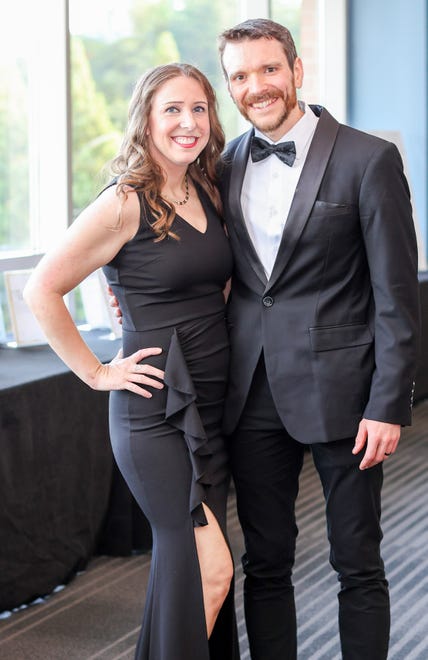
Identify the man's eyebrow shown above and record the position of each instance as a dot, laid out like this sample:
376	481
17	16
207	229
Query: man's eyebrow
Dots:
242	69
267	65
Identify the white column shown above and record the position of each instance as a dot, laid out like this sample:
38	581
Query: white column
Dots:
332	26
253	9
49	125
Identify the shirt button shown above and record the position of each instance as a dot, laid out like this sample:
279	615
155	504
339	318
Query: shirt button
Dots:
267	301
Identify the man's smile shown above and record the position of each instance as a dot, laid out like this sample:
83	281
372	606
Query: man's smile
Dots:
261	105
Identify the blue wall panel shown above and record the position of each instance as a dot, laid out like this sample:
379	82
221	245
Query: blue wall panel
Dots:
388	81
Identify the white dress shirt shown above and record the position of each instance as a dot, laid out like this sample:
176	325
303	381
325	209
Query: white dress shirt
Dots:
268	190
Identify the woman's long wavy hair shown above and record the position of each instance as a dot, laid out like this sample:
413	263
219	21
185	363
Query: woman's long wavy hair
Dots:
135	166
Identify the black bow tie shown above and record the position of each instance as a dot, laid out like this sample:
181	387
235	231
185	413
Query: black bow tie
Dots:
260	149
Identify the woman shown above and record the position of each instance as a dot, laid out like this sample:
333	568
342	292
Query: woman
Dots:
157	232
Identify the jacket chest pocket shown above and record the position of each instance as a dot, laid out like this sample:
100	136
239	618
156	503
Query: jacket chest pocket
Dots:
331	221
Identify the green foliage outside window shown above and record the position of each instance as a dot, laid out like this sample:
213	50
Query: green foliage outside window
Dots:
94	136
104	72
14	184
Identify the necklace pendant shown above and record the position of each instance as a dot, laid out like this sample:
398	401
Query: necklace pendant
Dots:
186	195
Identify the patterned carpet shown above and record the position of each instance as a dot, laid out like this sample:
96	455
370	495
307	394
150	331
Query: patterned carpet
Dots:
405	526
97	616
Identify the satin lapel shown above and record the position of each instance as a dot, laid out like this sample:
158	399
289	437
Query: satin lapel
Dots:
235	214
306	191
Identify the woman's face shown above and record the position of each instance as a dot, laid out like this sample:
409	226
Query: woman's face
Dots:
179	126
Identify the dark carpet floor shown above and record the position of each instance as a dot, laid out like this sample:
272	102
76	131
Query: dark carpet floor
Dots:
98	614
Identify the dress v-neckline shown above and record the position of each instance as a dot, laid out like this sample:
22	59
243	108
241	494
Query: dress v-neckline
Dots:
193	226
204	209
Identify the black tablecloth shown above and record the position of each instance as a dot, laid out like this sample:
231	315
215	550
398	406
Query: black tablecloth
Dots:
62	498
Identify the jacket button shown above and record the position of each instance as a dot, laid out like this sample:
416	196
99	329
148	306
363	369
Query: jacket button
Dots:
267	301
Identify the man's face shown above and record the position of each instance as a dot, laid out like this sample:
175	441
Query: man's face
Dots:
262	85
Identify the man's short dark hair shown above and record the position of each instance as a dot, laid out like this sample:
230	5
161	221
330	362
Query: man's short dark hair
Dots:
259	28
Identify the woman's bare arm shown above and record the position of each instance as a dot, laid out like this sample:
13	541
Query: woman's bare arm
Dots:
92	241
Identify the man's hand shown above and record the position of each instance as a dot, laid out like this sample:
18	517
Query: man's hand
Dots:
379	438
113	302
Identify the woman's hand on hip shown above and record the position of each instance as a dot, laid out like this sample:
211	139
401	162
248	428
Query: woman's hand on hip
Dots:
129	374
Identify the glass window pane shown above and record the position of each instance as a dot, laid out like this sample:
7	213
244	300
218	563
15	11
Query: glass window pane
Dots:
112	44
14	134
301	17
5	324
288	13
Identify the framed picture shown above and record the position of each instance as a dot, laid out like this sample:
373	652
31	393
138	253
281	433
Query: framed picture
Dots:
26	329
95	299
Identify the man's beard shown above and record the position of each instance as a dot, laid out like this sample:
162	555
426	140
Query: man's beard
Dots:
290	102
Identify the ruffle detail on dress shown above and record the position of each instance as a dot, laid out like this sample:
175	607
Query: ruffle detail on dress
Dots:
182	413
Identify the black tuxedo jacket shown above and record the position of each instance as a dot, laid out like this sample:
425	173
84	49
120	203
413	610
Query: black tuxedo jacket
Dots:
338	320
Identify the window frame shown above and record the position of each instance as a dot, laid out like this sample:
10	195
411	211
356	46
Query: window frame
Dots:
49	133
50	102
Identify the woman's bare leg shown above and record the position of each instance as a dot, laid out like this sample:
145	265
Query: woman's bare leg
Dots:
216	566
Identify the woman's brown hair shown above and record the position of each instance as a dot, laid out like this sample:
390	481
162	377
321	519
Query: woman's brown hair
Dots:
135	166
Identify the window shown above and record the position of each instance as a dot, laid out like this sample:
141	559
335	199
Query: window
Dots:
33	136
14	146
112	44
14	137
65	81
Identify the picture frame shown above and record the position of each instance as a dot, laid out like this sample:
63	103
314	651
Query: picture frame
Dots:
25	327
95	299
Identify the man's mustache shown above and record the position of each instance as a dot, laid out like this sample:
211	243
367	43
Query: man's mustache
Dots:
266	96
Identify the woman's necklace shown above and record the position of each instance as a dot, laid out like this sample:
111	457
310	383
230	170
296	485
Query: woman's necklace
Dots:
186	196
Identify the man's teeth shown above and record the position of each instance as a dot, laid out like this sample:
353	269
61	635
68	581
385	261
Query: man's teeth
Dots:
262	104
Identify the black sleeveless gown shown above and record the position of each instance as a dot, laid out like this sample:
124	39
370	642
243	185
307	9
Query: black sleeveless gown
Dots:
170	448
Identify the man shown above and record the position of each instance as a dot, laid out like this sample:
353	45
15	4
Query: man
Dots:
324	327
324	323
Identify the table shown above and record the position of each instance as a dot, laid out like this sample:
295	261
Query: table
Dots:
62	499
